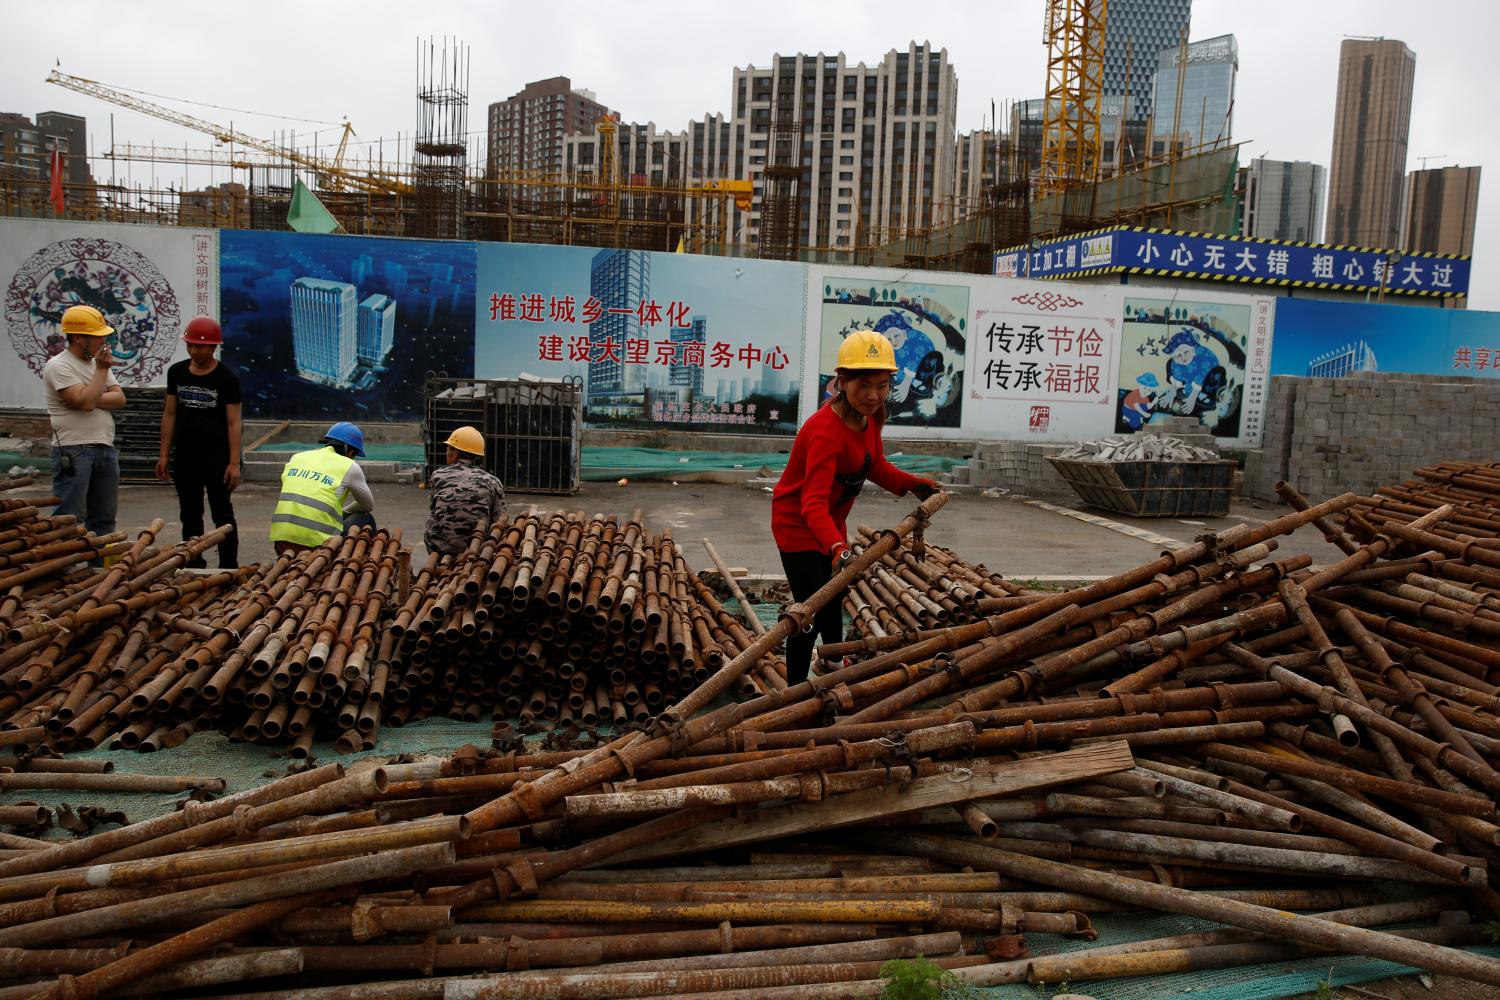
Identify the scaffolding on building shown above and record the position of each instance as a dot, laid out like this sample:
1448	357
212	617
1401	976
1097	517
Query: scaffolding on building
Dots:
437	194
439	169
780	233
1194	192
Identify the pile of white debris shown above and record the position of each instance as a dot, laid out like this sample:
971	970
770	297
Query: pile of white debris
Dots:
1141	448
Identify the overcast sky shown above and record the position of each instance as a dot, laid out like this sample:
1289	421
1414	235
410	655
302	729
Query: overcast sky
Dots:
669	62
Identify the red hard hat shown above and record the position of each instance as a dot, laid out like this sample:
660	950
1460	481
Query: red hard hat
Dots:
203	330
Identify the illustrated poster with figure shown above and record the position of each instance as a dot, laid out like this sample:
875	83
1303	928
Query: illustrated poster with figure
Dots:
927	324
1184	357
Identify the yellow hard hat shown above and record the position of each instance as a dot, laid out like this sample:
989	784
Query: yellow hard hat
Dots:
866	350
467	439
85	320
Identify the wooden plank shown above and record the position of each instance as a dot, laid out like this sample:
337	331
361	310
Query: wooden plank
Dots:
268	435
984	782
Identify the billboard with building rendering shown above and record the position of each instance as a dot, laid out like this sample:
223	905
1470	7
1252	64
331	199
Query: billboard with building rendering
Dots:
1338	339
344	327
659	340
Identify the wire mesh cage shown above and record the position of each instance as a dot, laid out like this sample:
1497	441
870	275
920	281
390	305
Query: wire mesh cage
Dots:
1152	489
532	430
138	433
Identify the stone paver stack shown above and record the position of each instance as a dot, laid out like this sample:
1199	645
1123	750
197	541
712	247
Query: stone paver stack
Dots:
1328	435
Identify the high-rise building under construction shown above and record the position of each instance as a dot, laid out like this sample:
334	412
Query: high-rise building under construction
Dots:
1442	205
1372	115
877	142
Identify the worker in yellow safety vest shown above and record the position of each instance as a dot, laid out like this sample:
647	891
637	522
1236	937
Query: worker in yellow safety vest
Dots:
323	492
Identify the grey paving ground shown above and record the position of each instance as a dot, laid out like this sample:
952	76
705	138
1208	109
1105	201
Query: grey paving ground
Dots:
1006	534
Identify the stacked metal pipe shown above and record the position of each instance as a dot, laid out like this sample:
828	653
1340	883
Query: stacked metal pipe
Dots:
558	620
920	587
561	620
136	654
1213	733
76	613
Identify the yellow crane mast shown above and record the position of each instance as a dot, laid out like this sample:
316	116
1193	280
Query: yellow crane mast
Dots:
1074	36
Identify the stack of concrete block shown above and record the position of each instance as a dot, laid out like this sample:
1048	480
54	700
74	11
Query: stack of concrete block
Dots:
1327	436
1266	465
1018	466
1022	466
1188	430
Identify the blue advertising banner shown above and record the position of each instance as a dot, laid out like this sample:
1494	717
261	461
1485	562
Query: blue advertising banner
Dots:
1264	262
1076	255
343	327
1236	259
1334	339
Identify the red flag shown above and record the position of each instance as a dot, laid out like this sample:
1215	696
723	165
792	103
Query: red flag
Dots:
56	194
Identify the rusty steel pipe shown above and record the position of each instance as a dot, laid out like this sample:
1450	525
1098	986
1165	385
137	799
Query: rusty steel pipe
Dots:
255	889
1311	930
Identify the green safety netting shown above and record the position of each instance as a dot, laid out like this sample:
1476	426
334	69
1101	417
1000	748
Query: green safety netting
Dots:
12	459
373	452
605	464
659	463
1267	981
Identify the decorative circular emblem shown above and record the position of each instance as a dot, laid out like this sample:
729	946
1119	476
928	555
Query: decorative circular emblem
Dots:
135	298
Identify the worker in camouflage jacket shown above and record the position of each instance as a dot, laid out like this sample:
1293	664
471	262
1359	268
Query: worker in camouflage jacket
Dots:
462	495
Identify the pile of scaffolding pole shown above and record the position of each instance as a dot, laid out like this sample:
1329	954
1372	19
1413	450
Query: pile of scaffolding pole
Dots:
1216	733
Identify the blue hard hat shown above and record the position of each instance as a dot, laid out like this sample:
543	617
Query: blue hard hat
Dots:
1147	380
346	433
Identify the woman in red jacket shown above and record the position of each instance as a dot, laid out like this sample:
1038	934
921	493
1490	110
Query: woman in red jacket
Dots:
835	452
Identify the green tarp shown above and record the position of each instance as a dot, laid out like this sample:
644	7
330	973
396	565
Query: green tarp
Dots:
608	464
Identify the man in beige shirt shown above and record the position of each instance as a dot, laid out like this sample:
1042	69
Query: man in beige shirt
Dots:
81	391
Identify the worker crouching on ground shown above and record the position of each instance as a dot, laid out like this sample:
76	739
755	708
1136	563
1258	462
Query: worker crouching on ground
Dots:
835	452
462	496
323	492
200	435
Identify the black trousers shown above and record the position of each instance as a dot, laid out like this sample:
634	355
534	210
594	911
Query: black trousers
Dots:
193	478
806	572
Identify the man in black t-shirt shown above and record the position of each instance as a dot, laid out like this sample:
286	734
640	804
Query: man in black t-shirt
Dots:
200	432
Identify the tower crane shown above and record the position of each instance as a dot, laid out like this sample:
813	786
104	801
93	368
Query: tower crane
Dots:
1074	35
331	175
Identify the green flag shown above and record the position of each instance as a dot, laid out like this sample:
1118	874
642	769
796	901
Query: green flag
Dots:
307	214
